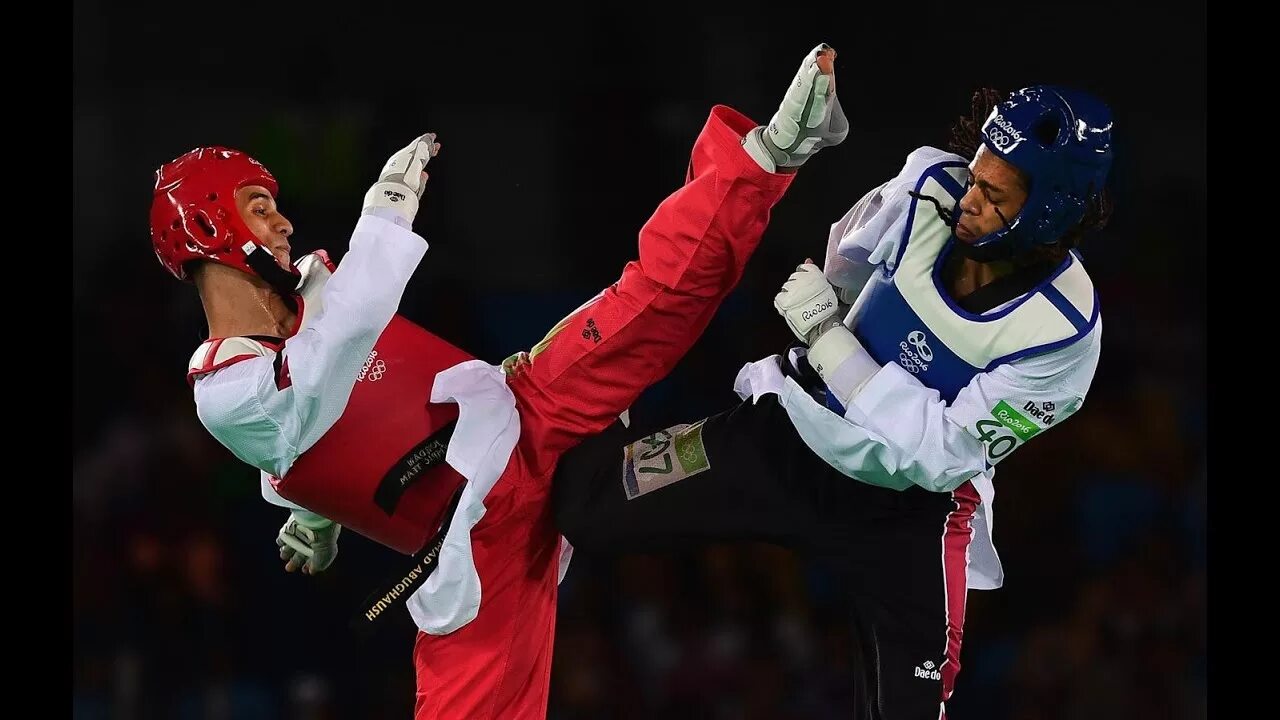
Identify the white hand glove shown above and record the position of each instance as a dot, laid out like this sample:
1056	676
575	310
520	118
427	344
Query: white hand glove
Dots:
308	541
809	118
806	300
403	178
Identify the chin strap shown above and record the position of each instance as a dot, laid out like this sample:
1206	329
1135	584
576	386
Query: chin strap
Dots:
264	264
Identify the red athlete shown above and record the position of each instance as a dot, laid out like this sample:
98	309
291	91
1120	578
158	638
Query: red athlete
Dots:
368	421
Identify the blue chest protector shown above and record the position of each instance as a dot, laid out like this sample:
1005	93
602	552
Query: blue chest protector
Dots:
904	314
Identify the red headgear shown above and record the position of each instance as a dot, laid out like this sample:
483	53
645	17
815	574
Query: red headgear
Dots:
193	210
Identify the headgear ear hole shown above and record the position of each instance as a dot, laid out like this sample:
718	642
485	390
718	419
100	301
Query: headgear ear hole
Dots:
205	225
1047	131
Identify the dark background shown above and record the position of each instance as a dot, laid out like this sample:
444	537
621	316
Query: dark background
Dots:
561	134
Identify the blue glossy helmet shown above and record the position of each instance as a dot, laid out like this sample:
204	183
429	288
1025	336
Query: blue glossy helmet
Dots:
1061	140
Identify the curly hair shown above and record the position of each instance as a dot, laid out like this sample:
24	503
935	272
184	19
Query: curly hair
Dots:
966	136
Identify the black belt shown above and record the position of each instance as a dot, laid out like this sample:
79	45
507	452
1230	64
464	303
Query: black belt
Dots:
415	463
396	589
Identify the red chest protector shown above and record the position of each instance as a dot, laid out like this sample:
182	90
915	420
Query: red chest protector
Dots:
380	469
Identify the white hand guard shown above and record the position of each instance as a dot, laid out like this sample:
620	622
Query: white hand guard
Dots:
308	541
806	300
841	362
809	118
403	178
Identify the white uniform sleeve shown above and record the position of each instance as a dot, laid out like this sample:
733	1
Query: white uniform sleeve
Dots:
269	410
848	273
870	233
898	428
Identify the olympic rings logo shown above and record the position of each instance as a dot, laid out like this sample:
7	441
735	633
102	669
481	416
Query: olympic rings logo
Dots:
374	368
916	361
1002	133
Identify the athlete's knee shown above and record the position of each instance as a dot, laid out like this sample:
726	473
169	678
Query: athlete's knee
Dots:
581	477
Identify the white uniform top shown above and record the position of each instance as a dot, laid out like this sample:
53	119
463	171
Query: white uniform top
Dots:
240	402
245	402
896	431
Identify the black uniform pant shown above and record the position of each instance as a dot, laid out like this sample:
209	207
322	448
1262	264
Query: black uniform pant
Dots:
745	474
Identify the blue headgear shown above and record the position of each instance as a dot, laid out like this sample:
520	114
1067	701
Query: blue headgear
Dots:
1061	140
